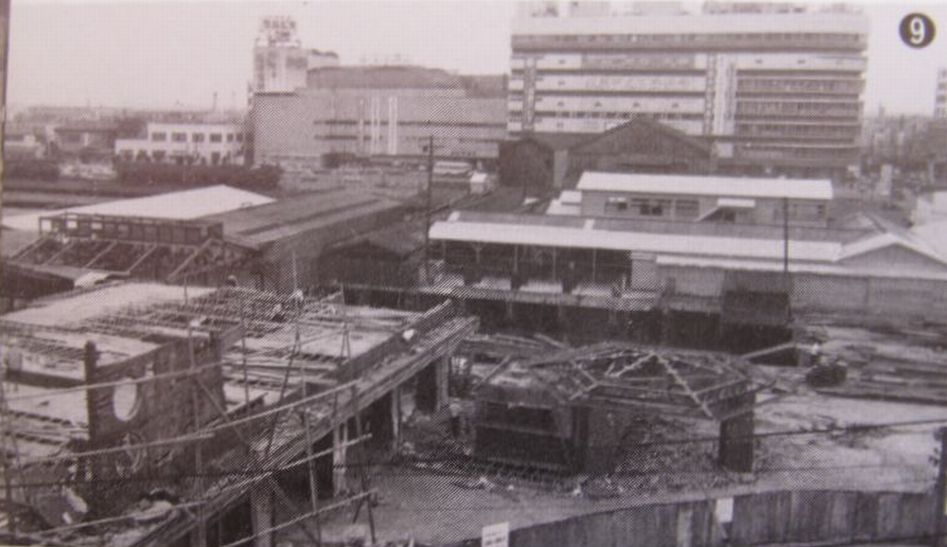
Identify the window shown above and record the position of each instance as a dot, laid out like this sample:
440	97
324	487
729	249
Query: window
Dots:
197	137
179	137
159	137
158	155
650	207
615	204
229	137
216	137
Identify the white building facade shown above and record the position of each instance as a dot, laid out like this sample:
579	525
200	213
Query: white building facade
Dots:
778	89
186	143
280	64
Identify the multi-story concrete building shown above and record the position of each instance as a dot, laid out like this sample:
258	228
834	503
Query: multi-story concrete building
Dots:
280	63
940	96
388	111
205	143
775	90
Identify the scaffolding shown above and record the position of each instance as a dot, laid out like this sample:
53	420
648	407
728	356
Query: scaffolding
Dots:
272	350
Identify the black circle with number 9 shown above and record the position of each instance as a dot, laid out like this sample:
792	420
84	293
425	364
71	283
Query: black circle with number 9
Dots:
917	30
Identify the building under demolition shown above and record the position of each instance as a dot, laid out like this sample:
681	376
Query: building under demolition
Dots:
195	237
145	414
577	409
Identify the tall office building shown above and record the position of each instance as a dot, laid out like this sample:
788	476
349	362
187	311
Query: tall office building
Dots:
775	87
940	96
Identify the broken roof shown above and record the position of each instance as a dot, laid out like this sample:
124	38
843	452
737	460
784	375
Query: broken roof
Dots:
705	384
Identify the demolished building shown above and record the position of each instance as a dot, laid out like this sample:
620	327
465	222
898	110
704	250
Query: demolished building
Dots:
572	409
205	405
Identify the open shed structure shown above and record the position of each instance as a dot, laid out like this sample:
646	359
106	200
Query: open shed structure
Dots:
568	409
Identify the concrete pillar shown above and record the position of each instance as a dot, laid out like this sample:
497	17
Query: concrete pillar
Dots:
340	435
442	369
736	450
432	386
261	514
396	418
383	418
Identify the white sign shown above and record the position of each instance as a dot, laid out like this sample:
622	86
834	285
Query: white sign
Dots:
496	535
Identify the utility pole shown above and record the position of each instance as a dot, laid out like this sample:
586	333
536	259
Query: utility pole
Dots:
786	283
4	55
940	491
427	209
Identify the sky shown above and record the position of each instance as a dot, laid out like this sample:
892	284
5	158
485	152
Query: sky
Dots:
167	54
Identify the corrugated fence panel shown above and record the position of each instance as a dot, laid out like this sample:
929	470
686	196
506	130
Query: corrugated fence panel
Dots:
681	525
758	519
761	518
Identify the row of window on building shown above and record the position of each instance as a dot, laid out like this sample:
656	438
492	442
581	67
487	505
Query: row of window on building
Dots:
825	38
161	136
214	158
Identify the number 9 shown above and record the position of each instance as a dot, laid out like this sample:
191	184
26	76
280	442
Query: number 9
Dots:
918	29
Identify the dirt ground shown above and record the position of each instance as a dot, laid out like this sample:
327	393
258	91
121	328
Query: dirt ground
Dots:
435	506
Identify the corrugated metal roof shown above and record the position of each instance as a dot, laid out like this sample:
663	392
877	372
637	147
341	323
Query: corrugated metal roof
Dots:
744	187
576	237
258	226
183	205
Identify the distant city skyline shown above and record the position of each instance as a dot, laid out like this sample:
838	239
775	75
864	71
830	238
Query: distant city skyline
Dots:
162	54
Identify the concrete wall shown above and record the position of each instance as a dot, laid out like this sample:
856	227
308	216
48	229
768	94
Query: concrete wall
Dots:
306	123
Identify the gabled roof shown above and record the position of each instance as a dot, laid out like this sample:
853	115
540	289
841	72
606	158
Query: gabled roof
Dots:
653	125
571	141
889	239
183	205
694	185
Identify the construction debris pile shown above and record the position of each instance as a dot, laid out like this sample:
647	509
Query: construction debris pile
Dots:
139	414
579	409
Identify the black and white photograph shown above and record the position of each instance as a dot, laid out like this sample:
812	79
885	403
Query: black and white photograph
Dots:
473	273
